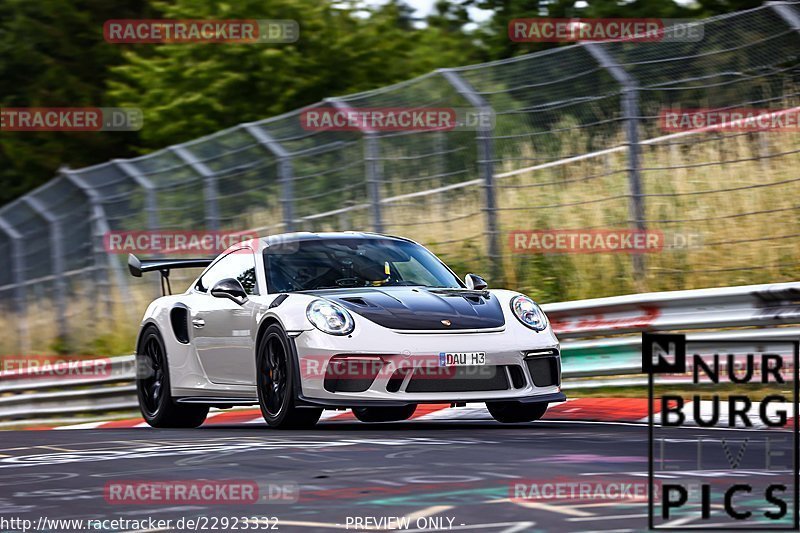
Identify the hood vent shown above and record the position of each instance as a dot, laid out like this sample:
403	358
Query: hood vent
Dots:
357	301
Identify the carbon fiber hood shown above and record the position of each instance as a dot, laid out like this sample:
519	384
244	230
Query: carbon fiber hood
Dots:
417	308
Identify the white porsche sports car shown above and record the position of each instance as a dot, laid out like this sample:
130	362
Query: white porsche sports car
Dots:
302	322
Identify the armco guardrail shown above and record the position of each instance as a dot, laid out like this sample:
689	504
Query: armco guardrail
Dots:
32	396
98	386
623	355
750	305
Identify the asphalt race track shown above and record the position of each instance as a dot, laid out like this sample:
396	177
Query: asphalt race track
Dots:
457	472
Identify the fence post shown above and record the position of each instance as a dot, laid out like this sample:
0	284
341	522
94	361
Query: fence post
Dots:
788	14
630	113
100	229
18	276
57	259
151	201
285	170
372	167
485	165
210	193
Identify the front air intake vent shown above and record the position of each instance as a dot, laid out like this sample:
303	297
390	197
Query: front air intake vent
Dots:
351	373
394	383
459	379
545	371
517	377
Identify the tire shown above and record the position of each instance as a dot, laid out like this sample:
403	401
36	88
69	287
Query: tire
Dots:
153	387
513	412
275	380
384	414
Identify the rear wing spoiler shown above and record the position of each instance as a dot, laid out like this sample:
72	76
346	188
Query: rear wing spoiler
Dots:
137	267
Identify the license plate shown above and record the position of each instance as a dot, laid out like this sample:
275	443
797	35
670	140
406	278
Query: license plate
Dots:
462	358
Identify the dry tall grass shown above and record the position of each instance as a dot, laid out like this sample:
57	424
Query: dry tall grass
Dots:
737	191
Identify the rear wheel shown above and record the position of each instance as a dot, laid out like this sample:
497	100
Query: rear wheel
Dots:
511	412
384	414
275	373
153	388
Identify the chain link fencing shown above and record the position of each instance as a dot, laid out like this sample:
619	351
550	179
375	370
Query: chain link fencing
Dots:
577	143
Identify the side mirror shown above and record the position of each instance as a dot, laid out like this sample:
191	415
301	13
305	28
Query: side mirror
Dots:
231	289
475	283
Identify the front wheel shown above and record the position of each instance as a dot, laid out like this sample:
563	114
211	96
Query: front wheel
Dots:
384	414
511	412
275	372
153	389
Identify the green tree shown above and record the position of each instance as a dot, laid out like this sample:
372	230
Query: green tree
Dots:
52	54
495	30
187	90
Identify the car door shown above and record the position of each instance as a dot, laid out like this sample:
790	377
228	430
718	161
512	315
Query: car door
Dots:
223	329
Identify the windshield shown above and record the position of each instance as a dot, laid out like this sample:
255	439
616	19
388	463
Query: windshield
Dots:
359	262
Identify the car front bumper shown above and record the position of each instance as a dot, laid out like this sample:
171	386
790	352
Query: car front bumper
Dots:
520	366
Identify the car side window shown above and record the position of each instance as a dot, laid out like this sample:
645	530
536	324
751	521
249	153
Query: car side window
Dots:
239	265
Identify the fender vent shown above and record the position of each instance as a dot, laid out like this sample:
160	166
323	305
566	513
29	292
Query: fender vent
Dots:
179	318
278	300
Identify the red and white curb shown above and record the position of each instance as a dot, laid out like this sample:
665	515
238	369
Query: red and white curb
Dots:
630	410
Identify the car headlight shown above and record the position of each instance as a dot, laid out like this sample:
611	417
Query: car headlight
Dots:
330	317
528	312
